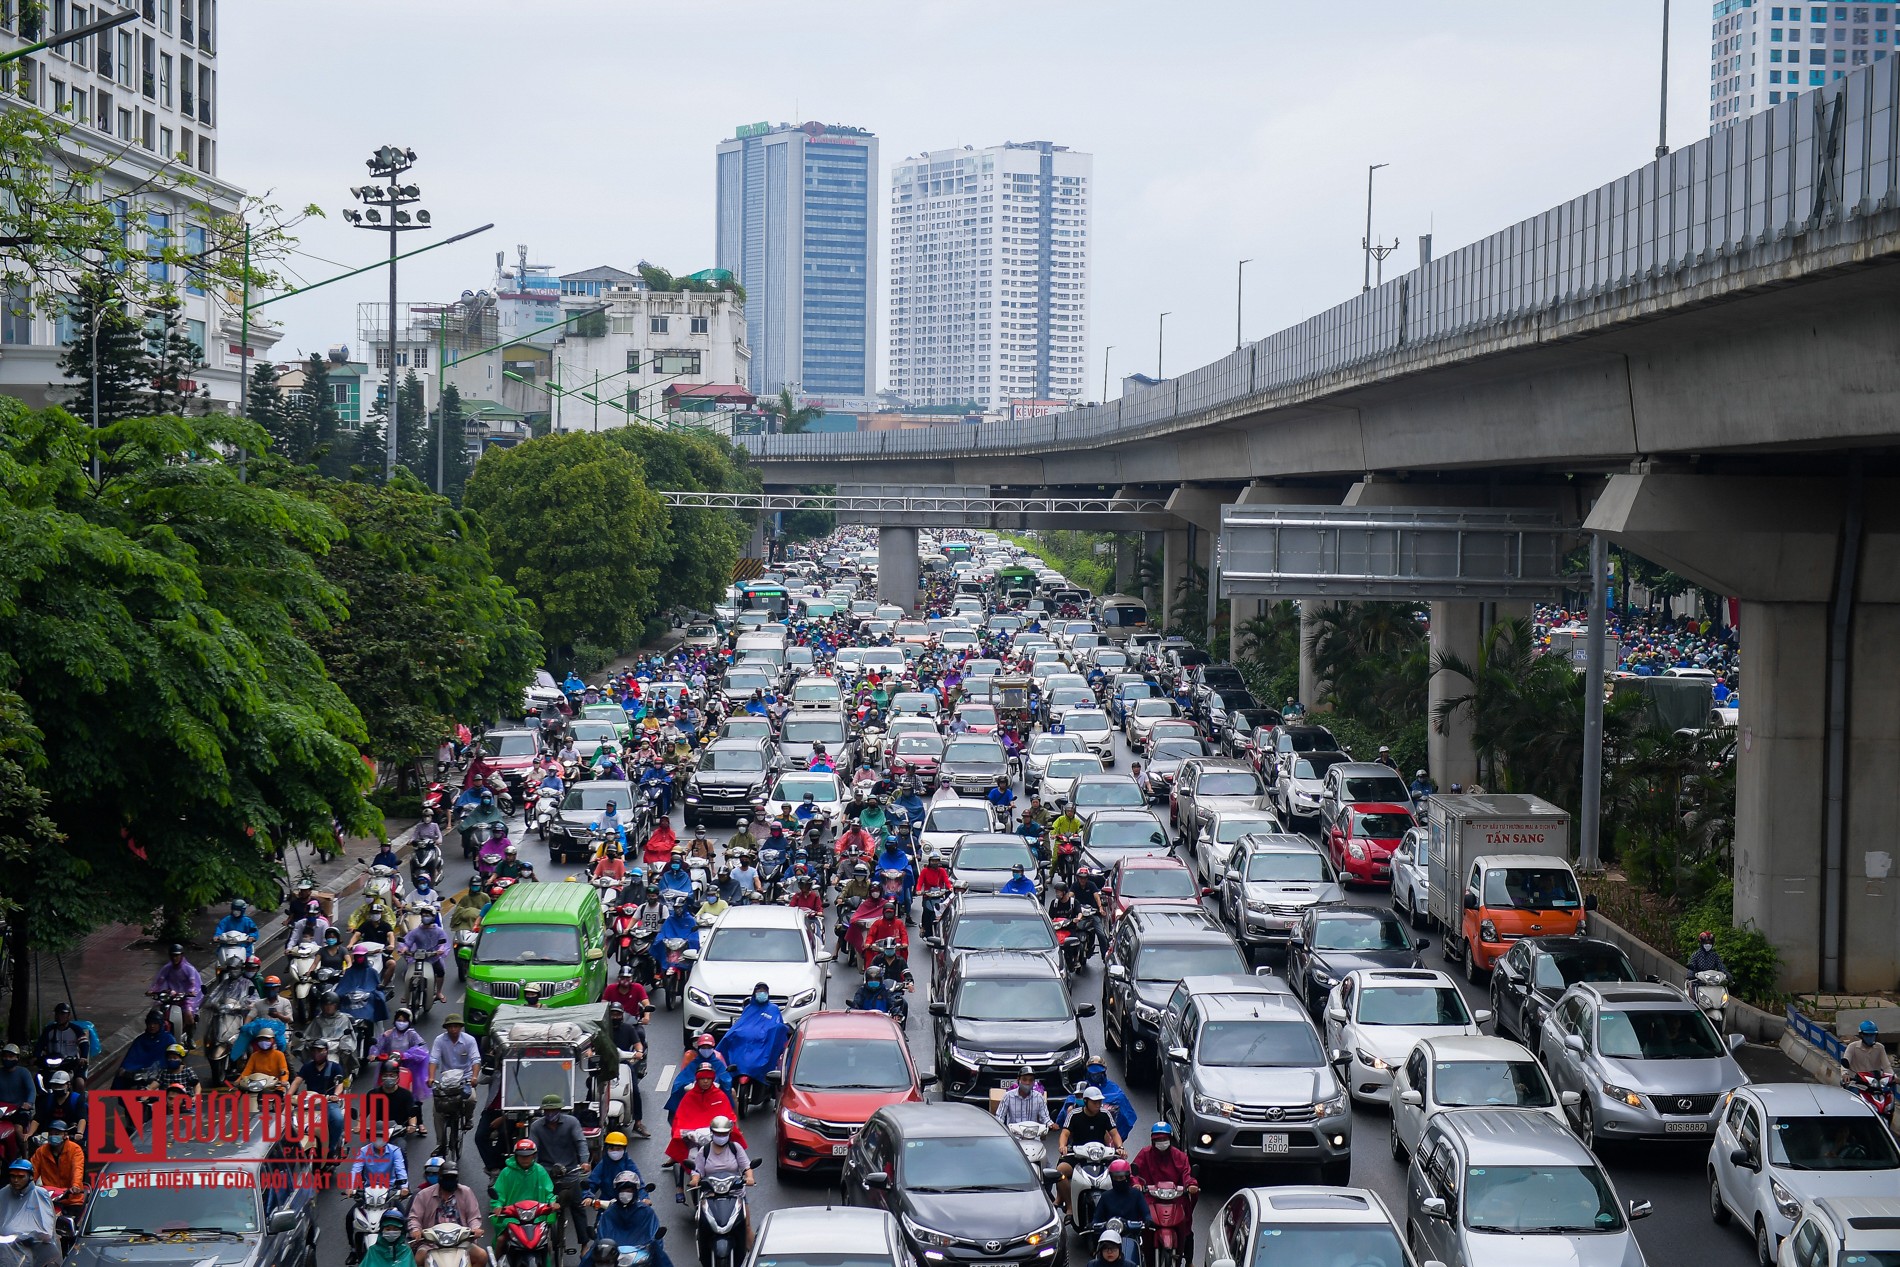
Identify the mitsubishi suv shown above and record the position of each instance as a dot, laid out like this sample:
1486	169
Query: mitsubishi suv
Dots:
1005	1013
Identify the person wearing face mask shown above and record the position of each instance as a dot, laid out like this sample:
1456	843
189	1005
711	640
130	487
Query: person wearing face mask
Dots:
723	1154
628	1218
563	1151
333	954
630	1040
447	1200
1869	1055
403	1043
1123	1201
402	1108
322	1076
427	942
612	1164
179	977
26	1212
391	1247
1162	1165
264	1059
757	1037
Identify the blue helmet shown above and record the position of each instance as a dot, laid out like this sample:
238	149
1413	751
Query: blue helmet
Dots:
1869	1029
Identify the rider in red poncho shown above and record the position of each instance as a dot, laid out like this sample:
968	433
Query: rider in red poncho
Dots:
660	845
702	1102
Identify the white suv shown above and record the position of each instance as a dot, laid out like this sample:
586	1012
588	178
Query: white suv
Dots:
750	944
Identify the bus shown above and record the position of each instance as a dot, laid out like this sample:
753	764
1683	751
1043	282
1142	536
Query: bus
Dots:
956	551
765	596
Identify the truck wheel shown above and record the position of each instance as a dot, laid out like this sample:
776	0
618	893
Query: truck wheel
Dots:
1473	973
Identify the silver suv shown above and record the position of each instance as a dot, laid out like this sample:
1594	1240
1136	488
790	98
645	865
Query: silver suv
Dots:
1269	884
1246	1077
1484	1180
1215	783
1643	1057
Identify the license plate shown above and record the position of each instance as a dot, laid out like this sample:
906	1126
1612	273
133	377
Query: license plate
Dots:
1274	1143
1685	1128
839	1150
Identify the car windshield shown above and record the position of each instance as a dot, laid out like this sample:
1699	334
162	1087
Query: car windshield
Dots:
1072	697
1172	729
983	1163
1663	1033
1307	868
1361	933
1315	767
1088	723
914	702
920	744
1125	833
958	818
1228	783
1311	741
1171	963
1531	888
1285	1044
1374	787
850	1064
813	731
792	787
1047	745
528	944
1002	932
1533	1200
594	797
605	712
1560	969
756	945
746	728
1381	826
1116	793
1012	999
1145	706
219	1200
1353	1244
732	760
509	745
1073	767
1850	1141
978	714
910	628
1464	1084
746	683
1177	750
983	753
585	734
1412	1005
993	856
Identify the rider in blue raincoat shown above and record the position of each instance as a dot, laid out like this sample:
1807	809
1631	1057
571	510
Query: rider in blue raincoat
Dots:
1113	1097
689	1070
893	857
632	1222
756	1040
573	685
679	923
361	977
674	878
912	804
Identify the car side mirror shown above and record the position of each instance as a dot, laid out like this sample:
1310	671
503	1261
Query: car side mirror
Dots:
1570	1099
934	942
594	954
1050	1174
1639	1210
876	1179
1116	972
1412	1098
1573	1042
1263	971
1471	901
1735	1042
282	1221
1744	1158
1230	875
1222	1262
1295	938
1422	943
1336	1014
1085	1009
940	1009
1178	1055
1482	1015
927	1080
1435	1208
1590	904
824	956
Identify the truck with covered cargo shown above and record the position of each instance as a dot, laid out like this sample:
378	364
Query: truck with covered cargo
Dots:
1499	870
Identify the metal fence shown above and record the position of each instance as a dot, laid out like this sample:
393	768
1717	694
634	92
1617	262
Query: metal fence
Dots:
1827	159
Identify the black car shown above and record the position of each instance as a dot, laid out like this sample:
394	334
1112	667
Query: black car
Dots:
730	781
1535	972
1330	941
1211	678
1235	734
1151	950
571	835
957	1183
976	922
1004	1013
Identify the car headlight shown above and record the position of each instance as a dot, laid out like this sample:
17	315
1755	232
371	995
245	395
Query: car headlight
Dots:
1256	904
1145	1013
968	1059
1369	1060
1332	1107
696	995
1487	931
805	998
1785	1201
923	1235
1624	1094
798	1119
1325	978
1047	1232
1213	1108
1356	851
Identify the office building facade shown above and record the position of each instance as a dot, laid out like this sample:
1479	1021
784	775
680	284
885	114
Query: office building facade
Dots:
797	227
989	288
1763	54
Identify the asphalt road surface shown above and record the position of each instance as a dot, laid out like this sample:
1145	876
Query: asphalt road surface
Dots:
1670	1177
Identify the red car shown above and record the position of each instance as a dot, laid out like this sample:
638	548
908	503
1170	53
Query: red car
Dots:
917	754
509	753
840	1067
1362	838
1156	880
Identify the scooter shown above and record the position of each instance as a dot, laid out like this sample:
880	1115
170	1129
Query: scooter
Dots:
679	961
1073	944
454	1109
426	860
1088	1179
1710	991
1029	1138
366	1213
229	1004
446	1244
719	1221
1877	1090
1171	1222
524	1240
933	905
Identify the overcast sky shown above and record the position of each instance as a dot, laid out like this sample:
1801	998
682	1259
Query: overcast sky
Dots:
1221	131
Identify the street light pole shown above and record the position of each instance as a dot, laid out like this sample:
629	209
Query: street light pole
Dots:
1161	335
1366	242
1240	282
1105	352
389	163
1662	126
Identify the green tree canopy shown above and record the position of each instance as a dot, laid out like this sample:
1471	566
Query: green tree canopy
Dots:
701	546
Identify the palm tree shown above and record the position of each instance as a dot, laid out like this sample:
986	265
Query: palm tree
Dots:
786	416
1526	713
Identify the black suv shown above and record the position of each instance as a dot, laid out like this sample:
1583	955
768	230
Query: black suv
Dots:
1151	950
570	835
1004	1013
958	1184
1330	941
1533	974
730	780
975	922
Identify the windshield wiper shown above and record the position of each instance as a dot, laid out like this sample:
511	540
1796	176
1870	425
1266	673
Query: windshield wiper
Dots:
1495	1229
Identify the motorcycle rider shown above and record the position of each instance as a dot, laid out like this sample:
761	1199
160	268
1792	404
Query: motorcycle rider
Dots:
701	846
702	1058
331	1027
402	1045
72	1043
362	979
872	994
675	878
1706	958
238	921
377	927
1065	823
628	993
563	1151
1096	1077
1001	798
26	1212
757	1037
935	875
894	857
1162	1165
321	1076
429	944
741	838
147	1051
448	1200
1123	1201
613	1163
1108	1250
1385	758
264	1060
1085	1123
721	1156
805	897
1024	1103
475	824
628	1218
1869	1055
179	977
1019	883
522	1178
61	1163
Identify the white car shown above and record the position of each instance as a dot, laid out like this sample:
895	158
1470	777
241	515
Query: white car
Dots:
1059	776
1216	832
1797	1142
1411	878
816	693
1092	725
1039	753
1468	1073
1845	1232
747	945
1299	792
1141	715
788	792
1375	1016
950	817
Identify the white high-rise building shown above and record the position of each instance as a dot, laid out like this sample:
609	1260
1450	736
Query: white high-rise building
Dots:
1763	54
989	293
143	106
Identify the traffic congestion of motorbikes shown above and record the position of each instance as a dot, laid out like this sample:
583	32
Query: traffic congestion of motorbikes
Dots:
923	800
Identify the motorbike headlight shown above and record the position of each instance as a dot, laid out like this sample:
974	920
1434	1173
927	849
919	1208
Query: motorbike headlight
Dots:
805	998
923	1235
1369	1060
1208	1105
1330	1108
1623	1094
1785	1201
699	996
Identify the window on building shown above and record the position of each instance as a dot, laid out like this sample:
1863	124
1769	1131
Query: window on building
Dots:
195	247
187	142
676	363
79	50
207	85
157	238
125	126
206	24
702	325
339	393
422	358
165	80
656	325
1860	14
148	66
1840	54
1860	36
148	129
165	16
1774	76
16	319
1816	56
187	28
195	331
207	156
1816	78
125	58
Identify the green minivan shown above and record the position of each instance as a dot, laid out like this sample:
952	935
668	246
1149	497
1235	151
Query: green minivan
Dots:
540	944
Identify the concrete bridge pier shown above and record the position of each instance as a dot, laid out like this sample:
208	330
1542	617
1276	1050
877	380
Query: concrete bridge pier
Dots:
1816	563
897	567
1126	553
1153	546
1174	553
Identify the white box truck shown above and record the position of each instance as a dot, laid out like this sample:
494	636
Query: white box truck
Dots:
1499	870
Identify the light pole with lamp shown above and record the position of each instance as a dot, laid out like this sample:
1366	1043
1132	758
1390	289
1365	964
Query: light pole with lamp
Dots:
1161	335
1365	243
1240	282
1105	352
388	164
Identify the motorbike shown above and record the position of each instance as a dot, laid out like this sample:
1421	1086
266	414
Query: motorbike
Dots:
418	906
386	883
639	1255
445	1245
1710	991
426	860
1133	1233
545	809
464	940
1171	1226
1877	1090
421	986
719	1220
679	962
365	1029
366	1213
933	906
229	1004
524	1240
454	1109
772	873
1029	1138
171	1005
1088	1179
504	794
1068	854
233	948
1073	945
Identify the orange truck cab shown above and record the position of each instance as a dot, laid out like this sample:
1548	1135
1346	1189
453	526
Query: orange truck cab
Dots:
1511	896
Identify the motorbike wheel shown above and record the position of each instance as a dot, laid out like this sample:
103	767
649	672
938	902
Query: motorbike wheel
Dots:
673	994
461	968
505	802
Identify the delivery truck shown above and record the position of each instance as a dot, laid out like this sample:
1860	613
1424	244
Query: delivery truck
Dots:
1499	870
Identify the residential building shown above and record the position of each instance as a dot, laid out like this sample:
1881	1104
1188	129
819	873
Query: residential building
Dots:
797	225
989	288
142	101
591	281
527	299
1763	54
346	385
